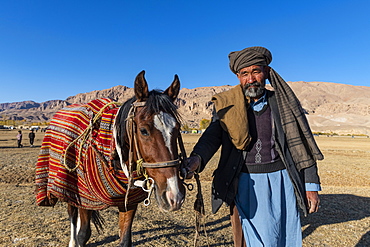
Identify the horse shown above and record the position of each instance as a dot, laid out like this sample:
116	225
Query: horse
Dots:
100	154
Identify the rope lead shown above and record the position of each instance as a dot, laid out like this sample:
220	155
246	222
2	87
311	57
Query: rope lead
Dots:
84	136
199	213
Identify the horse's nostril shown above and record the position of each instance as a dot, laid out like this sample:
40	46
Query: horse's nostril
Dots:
174	199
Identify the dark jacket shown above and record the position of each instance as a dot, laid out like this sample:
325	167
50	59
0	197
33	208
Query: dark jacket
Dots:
31	135
225	181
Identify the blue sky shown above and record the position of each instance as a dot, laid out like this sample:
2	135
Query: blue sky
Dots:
58	48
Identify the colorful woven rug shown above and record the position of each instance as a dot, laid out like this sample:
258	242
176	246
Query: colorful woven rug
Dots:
90	181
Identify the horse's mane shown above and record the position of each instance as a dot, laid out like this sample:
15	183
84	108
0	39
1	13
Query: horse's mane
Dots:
156	102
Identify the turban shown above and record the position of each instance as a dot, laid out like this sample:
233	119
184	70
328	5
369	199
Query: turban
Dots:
249	56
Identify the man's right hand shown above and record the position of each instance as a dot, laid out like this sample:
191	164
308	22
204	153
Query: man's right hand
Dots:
192	164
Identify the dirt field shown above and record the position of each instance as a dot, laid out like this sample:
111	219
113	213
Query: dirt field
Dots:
344	218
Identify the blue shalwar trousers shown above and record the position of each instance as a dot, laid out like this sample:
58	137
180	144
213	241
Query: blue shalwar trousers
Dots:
268	210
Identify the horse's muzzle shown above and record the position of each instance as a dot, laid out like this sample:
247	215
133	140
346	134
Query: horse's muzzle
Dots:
175	201
173	197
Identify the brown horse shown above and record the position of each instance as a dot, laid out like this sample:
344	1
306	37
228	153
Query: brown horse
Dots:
143	152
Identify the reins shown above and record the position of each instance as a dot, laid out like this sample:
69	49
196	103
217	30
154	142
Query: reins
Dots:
199	202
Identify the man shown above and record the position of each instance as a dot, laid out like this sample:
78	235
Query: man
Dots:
268	158
31	136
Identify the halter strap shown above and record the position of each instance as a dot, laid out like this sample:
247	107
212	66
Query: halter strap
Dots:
162	164
139	103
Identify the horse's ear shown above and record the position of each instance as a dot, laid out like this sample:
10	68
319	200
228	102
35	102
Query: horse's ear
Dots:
174	89
141	87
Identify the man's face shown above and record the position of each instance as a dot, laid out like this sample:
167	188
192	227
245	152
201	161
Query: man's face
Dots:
253	80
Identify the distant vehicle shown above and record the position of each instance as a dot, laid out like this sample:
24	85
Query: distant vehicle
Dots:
6	127
34	128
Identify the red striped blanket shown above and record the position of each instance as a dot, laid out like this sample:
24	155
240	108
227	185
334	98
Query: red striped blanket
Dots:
94	184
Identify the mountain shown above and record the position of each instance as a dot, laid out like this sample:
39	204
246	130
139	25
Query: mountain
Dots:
330	107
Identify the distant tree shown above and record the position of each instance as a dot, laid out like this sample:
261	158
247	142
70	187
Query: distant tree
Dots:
185	127
204	123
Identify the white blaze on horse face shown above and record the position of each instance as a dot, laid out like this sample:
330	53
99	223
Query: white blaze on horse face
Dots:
165	123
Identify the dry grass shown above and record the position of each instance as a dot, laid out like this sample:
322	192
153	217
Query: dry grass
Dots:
344	219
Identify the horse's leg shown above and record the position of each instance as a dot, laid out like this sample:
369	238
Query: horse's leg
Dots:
125	225
80	226
85	227
73	218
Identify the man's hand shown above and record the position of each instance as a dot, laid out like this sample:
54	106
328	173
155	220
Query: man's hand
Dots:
192	164
313	201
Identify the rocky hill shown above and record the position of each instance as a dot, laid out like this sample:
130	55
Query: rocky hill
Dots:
331	107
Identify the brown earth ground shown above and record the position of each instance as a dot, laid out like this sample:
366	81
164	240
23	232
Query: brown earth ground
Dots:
343	220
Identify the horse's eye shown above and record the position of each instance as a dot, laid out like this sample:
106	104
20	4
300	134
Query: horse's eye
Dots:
144	132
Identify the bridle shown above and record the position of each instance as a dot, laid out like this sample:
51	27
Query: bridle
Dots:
148	184
131	133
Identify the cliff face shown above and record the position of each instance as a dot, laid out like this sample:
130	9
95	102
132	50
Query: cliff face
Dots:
195	104
117	93
330	107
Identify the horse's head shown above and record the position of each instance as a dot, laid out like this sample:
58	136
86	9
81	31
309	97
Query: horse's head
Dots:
156	129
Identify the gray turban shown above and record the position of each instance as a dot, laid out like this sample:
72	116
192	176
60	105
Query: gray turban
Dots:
249	56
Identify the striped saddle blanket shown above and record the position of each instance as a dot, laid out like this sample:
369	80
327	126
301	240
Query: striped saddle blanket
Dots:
80	170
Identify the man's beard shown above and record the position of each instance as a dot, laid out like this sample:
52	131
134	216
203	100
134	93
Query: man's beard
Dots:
254	91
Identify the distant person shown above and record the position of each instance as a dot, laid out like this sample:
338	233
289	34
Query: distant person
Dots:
268	157
31	136
19	139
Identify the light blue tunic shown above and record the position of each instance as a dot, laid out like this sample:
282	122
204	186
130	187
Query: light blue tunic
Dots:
268	210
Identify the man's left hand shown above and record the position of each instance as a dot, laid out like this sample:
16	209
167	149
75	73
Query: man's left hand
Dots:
313	201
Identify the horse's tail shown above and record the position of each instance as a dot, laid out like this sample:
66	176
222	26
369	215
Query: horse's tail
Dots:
98	221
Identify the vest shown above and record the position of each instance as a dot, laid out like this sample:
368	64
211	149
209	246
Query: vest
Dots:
262	156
